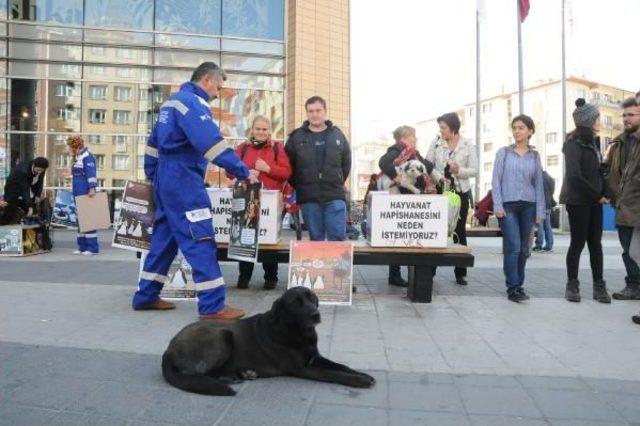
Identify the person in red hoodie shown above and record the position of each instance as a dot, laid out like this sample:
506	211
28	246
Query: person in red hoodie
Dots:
270	159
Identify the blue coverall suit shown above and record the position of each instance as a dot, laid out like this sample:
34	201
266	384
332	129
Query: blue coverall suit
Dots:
84	179
184	134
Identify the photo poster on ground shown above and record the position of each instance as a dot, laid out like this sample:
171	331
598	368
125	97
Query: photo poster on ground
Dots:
93	212
134	225
11	240
179	284
325	267
245	222
64	209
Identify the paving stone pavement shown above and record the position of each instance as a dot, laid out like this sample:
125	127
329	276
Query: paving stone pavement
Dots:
73	352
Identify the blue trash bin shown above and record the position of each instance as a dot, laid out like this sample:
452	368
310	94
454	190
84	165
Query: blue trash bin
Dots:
608	218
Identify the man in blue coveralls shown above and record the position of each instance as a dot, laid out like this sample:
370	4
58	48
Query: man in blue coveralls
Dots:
184	136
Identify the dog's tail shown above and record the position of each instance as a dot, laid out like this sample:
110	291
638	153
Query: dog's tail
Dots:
201	384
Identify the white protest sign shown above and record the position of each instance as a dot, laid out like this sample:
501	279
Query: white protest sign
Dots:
270	214
401	220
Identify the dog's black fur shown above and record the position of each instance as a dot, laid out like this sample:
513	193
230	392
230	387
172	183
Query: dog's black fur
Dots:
206	356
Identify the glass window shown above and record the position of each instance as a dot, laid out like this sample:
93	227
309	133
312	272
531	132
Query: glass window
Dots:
60	140
96	139
120	143
186	16
140	161
552	160
58	52
191	42
119	38
97	116
41	32
487	147
124	53
176	58
253	18
64	106
122	93
97	92
551	138
253	64
97	70
488	167
250	46
123	72
97	50
99	161
239	106
121	117
64	11
144	117
136	14
120	162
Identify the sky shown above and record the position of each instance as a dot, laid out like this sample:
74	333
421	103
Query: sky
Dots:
412	60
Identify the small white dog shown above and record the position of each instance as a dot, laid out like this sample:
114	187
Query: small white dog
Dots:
409	172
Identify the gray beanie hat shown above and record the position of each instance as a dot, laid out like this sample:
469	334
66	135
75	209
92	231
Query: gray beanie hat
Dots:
585	114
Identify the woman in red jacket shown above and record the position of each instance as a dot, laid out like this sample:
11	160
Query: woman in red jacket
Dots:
270	159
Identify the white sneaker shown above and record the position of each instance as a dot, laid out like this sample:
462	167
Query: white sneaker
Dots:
77	252
89	253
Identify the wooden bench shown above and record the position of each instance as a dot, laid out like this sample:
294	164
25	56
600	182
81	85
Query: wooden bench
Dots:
420	261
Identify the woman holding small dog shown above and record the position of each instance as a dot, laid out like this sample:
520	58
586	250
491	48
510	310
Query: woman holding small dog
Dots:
456	161
518	202
403	150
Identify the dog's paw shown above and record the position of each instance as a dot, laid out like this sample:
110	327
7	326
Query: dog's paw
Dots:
362	380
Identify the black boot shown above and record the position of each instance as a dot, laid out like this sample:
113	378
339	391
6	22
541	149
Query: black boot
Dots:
395	278
572	294
600	292
630	292
636	319
243	283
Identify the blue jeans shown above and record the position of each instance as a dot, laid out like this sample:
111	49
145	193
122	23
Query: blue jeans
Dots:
544	230
326	220
633	272
516	228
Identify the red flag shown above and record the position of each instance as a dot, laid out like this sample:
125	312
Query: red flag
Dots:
524	5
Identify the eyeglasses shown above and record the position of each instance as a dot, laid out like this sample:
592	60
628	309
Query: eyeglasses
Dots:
628	114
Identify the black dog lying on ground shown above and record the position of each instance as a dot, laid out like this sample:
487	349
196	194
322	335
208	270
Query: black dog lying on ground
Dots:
206	356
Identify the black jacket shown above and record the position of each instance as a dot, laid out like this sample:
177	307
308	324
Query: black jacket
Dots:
313	185
583	181
18	189
549	188
393	152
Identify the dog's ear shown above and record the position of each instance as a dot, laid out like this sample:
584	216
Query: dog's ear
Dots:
421	169
277	308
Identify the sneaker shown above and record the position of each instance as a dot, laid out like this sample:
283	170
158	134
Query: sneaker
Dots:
547	250
523	296
89	253
518	296
158	305
77	252
461	281
537	249
630	292
270	284
226	314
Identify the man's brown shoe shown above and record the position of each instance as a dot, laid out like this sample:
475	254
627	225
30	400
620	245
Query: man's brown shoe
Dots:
227	313
158	305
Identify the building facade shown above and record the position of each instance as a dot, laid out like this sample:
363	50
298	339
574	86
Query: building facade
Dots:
103	68
543	102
